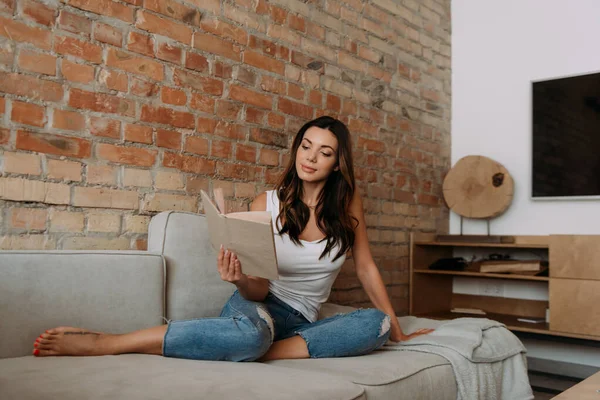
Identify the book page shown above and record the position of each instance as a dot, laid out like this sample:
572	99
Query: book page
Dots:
252	241
263	217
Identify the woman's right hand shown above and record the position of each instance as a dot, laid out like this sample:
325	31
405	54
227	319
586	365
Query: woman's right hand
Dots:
230	268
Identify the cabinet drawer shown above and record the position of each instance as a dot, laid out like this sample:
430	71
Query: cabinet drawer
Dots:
574	306
575	256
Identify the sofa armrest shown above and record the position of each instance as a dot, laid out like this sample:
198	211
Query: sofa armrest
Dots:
108	291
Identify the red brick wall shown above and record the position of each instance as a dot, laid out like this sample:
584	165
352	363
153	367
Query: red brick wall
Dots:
111	111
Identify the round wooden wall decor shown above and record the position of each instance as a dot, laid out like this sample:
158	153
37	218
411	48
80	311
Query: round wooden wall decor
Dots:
478	187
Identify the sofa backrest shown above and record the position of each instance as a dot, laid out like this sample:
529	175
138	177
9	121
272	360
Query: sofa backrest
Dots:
194	288
107	291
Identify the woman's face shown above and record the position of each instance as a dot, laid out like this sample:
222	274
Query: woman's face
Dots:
317	155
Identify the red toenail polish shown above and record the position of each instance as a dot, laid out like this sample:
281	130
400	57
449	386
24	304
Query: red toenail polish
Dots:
37	340
35	345
36	352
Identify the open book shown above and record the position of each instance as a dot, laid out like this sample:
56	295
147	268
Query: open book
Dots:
248	234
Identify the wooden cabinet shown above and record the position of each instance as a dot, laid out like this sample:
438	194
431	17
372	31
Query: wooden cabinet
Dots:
573	283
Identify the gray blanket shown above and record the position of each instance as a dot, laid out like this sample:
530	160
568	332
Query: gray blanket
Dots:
488	360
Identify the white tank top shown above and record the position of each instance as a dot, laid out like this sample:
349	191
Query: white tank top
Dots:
304	280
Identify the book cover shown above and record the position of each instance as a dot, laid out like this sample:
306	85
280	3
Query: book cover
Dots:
510	266
248	234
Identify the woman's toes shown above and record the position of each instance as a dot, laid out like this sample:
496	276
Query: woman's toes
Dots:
46	353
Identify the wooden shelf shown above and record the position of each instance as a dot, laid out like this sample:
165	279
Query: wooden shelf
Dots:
510	321
488	245
484	275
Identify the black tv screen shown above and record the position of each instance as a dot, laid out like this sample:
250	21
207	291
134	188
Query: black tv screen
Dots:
566	137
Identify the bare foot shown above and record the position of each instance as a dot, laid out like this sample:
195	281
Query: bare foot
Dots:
69	341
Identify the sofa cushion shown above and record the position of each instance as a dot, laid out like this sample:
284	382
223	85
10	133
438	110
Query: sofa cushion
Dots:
194	287
136	376
111	291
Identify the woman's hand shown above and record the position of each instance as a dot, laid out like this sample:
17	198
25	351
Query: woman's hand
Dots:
401	337
230	268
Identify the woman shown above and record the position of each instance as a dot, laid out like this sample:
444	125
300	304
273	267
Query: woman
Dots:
318	217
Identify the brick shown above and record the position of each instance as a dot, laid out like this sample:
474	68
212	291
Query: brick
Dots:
28	114
4	135
278	14
188	163
245	153
108	34
38	12
138	133
64	170
268	137
155	24
177	11
53	144
206	125
167	180
350	62
66	221
167	116
168	139
140	43
293	108
77	72
136	224
254	115
104	7
137	177
225	30
137	65
269	157
18	189
78	48
103	222
222	70
28	86
295	91
204	84
173	96
20	32
68	120
275	120
142	87
212	44
273	85
236	171
196	145
245	190
250	97
214	6
169	52
104	198
333	103
7	53
194	184
21	163
369	54
28	218
95	243
263	62
165	202
278	32
7	6
37	62
221	149
105	127
228	109
74	23
196	62
202	103
101	174
101	102
315	97
126	155
231	131
114	80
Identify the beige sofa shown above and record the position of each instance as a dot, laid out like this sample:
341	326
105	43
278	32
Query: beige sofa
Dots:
121	291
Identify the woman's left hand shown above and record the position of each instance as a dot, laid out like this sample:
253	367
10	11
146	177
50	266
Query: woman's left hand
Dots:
401	337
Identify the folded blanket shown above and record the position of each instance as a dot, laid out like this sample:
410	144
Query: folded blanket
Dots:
488	360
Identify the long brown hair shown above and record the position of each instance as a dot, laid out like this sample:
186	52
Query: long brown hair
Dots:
331	211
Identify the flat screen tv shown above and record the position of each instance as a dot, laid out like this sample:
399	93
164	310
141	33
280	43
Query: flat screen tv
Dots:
566	137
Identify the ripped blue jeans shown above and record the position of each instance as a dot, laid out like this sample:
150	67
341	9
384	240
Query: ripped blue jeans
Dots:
246	329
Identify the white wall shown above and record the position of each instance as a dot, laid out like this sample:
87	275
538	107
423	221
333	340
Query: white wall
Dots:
498	48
